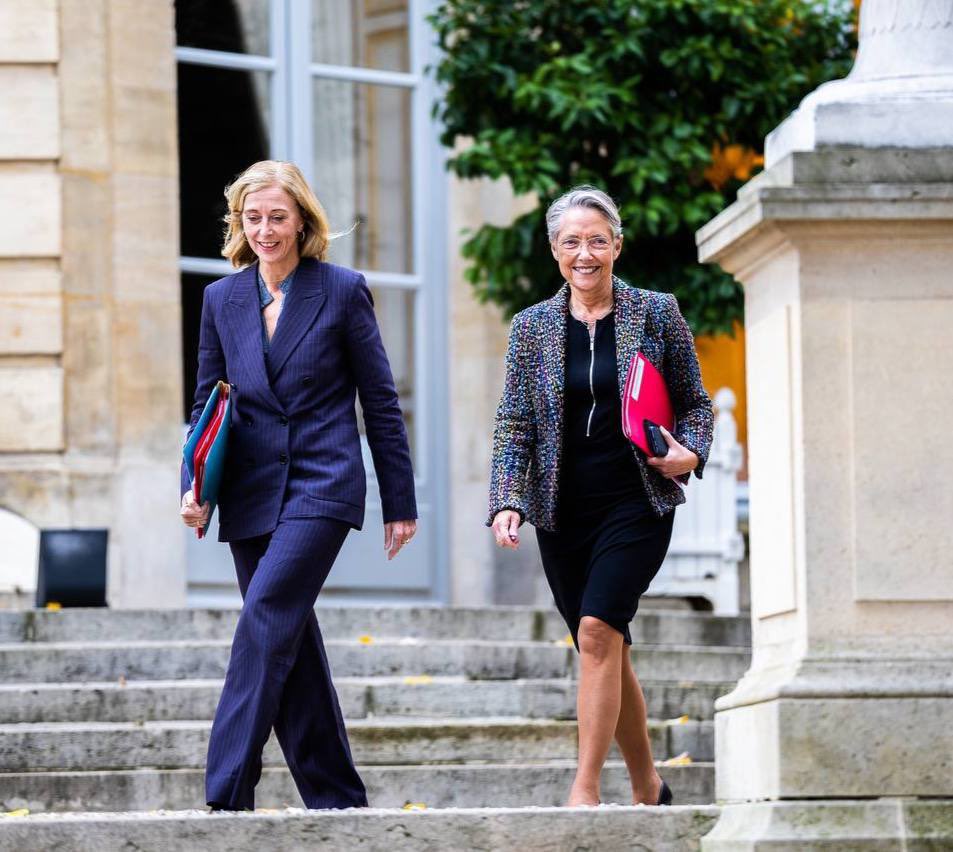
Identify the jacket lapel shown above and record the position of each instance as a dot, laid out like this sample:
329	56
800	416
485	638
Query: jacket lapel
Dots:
245	318
302	306
629	326
553	345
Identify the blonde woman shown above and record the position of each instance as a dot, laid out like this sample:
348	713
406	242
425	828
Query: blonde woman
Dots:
296	338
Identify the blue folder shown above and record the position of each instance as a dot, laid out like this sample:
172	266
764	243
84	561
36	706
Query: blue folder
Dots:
211	434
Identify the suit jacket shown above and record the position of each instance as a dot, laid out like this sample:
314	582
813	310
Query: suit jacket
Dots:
294	447
527	440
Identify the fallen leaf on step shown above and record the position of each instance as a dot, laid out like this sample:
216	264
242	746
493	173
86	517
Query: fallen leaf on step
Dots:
566	640
681	720
54	606
19	812
684	759
416	680
414	806
365	639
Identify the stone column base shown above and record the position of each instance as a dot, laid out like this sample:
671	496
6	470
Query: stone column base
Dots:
912	825
838	728
835	747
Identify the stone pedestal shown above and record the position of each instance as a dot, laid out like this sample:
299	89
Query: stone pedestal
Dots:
845	249
899	92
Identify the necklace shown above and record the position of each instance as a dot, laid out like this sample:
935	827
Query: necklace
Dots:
594	319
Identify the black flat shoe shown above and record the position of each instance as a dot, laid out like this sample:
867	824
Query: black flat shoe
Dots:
664	794
215	807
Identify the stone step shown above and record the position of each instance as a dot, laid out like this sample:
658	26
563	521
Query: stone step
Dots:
443	786
608	829
350	622
477	659
156	701
390	741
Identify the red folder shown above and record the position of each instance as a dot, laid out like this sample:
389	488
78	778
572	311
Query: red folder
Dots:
645	398
204	452
203	447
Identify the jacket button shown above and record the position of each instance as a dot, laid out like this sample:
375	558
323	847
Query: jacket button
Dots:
283	421
283	458
307	380
248	421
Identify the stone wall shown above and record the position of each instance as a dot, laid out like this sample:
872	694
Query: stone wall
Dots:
90	365
480	573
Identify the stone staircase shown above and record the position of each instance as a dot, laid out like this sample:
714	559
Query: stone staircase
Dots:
463	716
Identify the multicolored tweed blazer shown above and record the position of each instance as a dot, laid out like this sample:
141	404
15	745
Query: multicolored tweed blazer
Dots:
528	436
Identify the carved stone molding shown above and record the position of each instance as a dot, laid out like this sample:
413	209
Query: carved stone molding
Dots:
904	39
899	92
887	16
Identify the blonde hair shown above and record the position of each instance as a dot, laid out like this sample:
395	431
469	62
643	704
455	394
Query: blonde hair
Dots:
288	176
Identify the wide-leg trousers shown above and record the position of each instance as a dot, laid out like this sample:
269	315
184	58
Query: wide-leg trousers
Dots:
278	675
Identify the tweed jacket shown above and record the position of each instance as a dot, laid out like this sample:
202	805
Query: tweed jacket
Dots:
528	434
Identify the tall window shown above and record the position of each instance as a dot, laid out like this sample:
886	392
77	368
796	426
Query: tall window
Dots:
227	87
336	86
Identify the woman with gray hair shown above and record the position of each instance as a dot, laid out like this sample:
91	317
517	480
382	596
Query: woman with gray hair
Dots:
602	509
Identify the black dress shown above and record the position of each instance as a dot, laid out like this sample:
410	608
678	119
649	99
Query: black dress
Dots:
610	544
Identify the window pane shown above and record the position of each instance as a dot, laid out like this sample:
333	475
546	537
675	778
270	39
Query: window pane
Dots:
235	26
362	168
395	315
365	33
223	129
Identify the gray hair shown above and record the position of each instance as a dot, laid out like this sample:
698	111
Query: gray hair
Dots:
583	196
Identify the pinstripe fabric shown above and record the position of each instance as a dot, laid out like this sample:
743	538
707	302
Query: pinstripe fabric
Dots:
528	434
278	674
294	447
294	483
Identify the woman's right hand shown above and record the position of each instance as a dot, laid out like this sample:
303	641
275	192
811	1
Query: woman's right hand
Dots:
506	528
192	514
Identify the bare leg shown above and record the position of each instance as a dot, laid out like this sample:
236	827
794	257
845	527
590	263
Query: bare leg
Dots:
597	704
632	735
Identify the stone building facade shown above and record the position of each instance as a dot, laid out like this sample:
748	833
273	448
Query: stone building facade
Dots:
93	341
90	373
121	123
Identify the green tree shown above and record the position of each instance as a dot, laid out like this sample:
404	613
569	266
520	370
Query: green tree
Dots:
662	103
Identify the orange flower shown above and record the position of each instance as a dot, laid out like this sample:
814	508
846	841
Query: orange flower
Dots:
732	161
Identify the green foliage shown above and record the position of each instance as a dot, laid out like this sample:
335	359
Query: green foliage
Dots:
630	96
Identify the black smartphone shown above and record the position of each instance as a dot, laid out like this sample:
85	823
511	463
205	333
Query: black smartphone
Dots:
654	438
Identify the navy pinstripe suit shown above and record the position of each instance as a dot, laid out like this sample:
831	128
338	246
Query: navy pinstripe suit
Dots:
294	485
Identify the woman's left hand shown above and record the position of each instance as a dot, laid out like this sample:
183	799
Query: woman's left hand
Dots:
396	535
678	461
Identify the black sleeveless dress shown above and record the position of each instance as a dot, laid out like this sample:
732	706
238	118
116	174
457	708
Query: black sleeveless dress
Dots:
609	544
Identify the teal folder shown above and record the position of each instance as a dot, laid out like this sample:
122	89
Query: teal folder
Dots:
204	452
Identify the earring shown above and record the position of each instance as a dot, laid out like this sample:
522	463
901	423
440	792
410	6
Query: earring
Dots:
301	234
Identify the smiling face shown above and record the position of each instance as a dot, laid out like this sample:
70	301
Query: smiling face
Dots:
586	249
271	221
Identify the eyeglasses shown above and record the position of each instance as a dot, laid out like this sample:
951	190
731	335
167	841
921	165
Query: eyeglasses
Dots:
595	245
